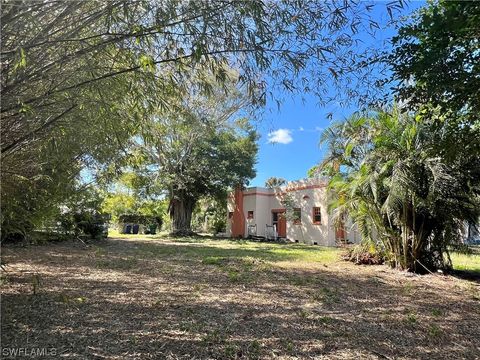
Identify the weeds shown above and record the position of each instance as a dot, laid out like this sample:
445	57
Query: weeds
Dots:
230	351
253	350
288	345
299	280
67	299
234	276
36	283
411	318
4	280
303	313
215	337
326	296
99	251
213	260
325	320
237	270
408	288
434	331
117	264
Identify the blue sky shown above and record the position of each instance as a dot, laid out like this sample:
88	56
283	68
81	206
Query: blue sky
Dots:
297	125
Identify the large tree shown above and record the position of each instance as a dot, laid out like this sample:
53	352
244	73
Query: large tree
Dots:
198	146
436	58
404	182
78	76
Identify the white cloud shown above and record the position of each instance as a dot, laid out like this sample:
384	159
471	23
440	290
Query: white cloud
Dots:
318	128
301	128
280	136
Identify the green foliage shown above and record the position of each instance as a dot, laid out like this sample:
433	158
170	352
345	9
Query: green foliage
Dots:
434	331
273	182
81	215
210	214
436	58
140	219
131	199
408	184
117	204
91	224
317	171
79	77
121	203
365	253
199	150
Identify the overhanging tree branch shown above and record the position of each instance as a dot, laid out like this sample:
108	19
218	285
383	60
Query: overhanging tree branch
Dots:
28	136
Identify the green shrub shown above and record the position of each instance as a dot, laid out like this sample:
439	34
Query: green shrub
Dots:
365	253
86	222
219	225
140	219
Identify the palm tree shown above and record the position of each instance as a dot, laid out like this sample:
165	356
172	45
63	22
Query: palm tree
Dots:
273	182
407	186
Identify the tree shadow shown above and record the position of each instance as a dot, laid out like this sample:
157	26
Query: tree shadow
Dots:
199	310
471	275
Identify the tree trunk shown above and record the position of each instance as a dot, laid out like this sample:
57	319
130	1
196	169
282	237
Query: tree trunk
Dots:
180	210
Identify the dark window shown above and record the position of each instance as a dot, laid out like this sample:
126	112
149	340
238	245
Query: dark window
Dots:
297	216
317	215
250	215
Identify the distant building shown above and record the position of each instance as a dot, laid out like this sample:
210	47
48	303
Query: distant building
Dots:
471	233
257	211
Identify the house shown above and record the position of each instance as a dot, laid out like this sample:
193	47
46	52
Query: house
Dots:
471	233
257	211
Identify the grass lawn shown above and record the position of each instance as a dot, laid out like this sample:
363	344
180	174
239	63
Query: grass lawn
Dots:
154	297
464	262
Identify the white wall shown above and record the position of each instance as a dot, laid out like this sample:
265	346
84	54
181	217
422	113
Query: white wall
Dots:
307	232
263	213
306	194
230	208
249	204
352	233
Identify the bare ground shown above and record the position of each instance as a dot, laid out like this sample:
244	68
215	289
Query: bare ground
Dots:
199	298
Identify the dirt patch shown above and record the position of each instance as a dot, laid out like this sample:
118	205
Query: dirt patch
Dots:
174	299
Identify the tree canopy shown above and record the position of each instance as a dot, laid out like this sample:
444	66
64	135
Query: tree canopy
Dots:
78	76
409	175
436	58
201	148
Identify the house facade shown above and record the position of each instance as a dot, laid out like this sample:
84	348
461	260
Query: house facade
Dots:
307	221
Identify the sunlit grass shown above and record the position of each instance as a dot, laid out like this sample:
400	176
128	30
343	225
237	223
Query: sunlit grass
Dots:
466	262
207	248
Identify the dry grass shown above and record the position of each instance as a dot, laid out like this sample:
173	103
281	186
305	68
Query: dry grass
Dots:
141	298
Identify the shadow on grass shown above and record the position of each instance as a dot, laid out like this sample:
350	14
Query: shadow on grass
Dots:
183	300
341	316
195	248
472	275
